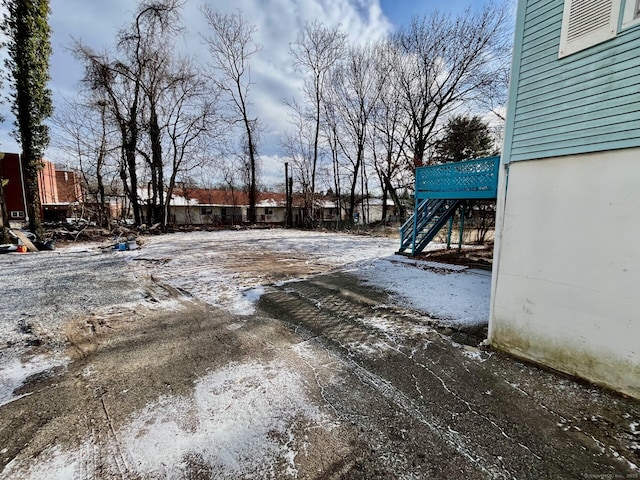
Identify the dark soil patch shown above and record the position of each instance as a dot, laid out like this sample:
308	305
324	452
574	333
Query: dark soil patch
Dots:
481	257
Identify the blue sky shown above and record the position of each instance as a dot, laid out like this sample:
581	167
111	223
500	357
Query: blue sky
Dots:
400	12
278	21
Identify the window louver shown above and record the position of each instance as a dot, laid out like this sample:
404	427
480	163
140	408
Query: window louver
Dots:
586	23
586	16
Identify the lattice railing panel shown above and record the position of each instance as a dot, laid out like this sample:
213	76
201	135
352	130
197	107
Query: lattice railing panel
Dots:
468	179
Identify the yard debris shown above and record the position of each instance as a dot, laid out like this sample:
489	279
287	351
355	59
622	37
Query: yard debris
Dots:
27	241
24	238
127	243
8	247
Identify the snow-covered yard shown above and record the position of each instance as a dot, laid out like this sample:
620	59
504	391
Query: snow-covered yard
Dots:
219	269
228	269
272	413
43	291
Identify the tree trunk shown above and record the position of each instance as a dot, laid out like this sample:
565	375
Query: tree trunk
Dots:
253	194
354	186
4	214
131	144
31	170
156	168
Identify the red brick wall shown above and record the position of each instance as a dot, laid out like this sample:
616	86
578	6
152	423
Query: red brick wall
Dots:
13	192
68	183
47	183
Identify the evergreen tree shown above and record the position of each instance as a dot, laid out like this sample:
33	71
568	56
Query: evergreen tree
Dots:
27	28
464	138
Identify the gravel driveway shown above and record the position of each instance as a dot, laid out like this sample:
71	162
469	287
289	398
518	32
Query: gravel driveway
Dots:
269	355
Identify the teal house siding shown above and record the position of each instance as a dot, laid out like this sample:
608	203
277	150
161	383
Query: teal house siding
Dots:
588	101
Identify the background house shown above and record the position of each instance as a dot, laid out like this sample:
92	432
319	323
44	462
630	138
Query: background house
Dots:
223	207
202	206
14	190
370	210
567	256
60	190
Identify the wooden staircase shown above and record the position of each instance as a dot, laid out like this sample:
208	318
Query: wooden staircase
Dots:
439	193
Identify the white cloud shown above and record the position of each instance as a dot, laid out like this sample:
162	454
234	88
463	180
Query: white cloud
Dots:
278	23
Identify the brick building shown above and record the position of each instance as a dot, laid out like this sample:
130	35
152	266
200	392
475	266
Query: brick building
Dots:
60	190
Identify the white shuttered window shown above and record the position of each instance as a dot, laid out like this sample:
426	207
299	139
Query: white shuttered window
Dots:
586	23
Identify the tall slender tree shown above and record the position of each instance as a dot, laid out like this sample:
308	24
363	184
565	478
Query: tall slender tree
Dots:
316	51
354	94
26	26
134	86
231	46
389	136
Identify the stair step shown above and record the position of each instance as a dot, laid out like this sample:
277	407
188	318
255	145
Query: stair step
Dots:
430	216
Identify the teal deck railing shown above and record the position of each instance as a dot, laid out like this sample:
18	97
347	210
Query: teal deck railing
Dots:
469	179
452	182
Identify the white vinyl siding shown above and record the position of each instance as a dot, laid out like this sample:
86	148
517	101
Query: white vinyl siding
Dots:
586	23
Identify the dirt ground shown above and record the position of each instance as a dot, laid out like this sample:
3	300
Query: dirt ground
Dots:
480	257
421	401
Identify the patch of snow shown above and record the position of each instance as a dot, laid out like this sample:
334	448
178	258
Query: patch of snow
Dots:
458	298
241	409
369	349
235	326
426	264
246	305
473	355
239	422
290	457
13	373
199	262
53	464
304	350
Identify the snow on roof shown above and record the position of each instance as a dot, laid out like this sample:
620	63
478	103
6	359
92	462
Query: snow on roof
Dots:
377	202
178	201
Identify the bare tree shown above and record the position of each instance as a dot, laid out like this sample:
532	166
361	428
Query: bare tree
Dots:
85	134
106	78
331	134
149	42
315	52
354	94
388	135
448	62
164	110
231	46
192	123
132	85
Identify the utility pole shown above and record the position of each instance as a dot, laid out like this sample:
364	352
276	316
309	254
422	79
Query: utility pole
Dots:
286	194
290	218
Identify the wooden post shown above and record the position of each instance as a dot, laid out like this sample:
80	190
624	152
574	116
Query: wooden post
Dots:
286	194
462	212
290	218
